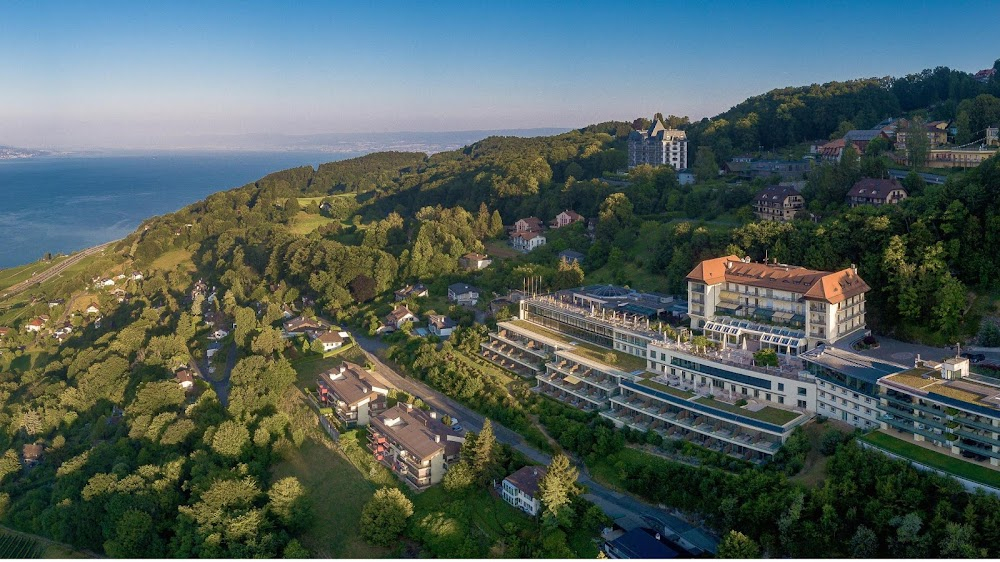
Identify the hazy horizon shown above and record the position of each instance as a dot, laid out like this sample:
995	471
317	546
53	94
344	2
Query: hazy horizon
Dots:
120	75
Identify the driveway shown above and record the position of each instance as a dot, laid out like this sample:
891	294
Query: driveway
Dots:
895	351
221	386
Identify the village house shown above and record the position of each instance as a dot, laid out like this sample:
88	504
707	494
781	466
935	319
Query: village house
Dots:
93	309
418	290
332	340
184	379
566	218
4	331
778	203
463	293
56	302
414	444
527	241
352	393
875	191
936	135
401	315
31	454
36	324
137	276
304	326
529	224
520	489
440	325
474	262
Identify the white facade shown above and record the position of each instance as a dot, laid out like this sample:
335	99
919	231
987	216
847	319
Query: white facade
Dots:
658	146
517	498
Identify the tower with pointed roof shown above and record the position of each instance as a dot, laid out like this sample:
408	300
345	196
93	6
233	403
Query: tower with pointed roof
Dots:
658	146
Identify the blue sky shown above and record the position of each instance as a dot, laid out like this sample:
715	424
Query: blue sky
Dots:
149	73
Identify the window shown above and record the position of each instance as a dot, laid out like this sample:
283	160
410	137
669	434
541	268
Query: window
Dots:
781	400
855	395
802	391
781	387
868	400
768	396
802	403
732	387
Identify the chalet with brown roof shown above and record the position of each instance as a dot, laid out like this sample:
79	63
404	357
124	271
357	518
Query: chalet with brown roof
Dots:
566	218
93	309
520	489
36	324
784	307
474	261
418	290
4	331
301	325
414	444
331	340
527	241
876	191
529	224
352	393
31	454
778	203
184	379
401	315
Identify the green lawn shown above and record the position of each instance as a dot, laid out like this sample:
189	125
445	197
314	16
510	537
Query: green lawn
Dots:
665	388
305	223
958	467
337	493
171	260
309	366
767	414
605	471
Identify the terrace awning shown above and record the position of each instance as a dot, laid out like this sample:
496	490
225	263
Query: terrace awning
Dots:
729	295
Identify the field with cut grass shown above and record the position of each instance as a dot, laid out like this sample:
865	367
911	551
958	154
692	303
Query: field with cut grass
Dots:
304	223
169	261
337	493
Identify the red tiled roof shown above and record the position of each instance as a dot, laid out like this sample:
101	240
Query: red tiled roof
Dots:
827	286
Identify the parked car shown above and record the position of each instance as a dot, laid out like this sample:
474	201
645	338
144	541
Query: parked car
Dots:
975	357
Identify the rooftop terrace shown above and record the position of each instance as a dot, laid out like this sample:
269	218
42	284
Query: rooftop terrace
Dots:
622	361
972	389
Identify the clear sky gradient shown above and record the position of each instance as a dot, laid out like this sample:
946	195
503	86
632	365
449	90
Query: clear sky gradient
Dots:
122	74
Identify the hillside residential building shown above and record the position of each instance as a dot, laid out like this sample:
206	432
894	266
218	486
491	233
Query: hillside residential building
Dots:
778	203
936	135
474	262
993	136
418	290
784	307
571	256
31	454
566	218
860	138
946	406
184	379
463	293
399	316
352	393
527	241
529	224
658	146
414	444
875	191
520	489
970	157
301	325
36	324
440	325
332	340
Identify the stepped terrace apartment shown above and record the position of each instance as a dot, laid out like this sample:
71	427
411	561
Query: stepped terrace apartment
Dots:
945	406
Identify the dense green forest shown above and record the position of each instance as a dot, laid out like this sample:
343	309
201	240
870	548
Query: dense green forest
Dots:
135	466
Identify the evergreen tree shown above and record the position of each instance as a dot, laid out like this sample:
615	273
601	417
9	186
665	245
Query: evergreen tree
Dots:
484	456
384	516
557	489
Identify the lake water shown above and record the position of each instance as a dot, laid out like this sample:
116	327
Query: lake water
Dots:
64	204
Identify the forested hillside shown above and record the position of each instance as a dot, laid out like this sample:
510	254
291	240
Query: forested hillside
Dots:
135	466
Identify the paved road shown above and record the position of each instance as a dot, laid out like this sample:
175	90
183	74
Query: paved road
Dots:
221	386
54	270
627	511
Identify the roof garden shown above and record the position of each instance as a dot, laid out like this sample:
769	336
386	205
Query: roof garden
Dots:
664	388
767	414
944	462
622	361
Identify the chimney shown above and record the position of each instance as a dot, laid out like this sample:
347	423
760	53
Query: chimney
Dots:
434	415
437	438
409	407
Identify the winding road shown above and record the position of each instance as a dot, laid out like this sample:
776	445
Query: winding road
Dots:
54	270
626	510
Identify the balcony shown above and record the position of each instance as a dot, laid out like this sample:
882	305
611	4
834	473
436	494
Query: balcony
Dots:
982	425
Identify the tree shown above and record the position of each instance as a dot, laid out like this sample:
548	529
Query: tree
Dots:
485	452
384	516
557	489
918	145
738	545
959	542
287	501
568	274
614	216
864	543
705	165
9	464
134	536
230	438
268	342
363	288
